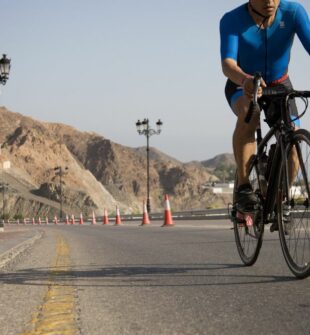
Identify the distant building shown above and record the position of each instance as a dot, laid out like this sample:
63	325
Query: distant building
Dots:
6	165
222	188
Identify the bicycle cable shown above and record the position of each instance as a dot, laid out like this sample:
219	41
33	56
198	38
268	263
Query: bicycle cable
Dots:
304	100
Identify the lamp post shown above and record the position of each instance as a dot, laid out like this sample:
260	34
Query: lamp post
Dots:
60	171
3	187
5	66
143	128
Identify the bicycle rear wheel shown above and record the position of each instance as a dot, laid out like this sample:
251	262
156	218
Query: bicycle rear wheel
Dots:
249	233
293	205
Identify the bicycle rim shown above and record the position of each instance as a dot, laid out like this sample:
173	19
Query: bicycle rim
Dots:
249	238
293	205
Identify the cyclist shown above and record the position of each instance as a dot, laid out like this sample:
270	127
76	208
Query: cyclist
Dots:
257	36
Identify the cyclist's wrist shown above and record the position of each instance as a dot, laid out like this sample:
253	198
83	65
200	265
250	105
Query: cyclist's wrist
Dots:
246	77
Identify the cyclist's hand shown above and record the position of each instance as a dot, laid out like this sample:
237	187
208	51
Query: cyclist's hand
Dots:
248	88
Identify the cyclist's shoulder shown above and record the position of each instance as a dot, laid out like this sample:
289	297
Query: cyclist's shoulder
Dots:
235	14
290	7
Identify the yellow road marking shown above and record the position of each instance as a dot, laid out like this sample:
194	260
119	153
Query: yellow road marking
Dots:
57	314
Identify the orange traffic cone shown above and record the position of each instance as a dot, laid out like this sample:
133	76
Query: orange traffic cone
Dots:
55	220
33	221
105	217
81	219
67	219
145	219
168	217
93	221
72	219
46	220
118	220
40	222
25	221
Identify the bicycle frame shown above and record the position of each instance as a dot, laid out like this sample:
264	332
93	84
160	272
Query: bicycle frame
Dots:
282	131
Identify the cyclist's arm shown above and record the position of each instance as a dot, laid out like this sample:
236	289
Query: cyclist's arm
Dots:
303	27
238	76
229	51
232	71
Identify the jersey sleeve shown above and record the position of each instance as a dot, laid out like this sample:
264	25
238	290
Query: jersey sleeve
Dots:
303	27
229	39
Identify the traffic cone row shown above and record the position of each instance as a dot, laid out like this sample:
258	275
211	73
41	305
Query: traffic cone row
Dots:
168	221
81	219
93	221
118	220
145	218
105	219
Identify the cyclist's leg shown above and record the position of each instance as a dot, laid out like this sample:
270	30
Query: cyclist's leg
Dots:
244	144
293	164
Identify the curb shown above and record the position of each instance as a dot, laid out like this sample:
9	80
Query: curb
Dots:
10	254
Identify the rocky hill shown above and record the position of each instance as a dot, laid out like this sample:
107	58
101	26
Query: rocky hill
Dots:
222	159
98	173
223	166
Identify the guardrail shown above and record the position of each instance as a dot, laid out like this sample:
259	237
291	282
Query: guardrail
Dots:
207	214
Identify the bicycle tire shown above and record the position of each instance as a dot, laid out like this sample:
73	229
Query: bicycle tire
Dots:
249	239
294	208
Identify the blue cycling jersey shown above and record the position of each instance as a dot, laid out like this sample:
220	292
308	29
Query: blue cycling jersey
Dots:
264	50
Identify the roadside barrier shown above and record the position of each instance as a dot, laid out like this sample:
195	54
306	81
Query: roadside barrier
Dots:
145	218
168	217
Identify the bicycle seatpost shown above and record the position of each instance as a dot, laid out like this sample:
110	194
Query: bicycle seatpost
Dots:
254	104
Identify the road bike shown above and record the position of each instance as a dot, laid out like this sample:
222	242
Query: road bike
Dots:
279	174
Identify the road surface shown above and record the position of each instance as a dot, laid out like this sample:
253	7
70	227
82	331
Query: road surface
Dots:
128	279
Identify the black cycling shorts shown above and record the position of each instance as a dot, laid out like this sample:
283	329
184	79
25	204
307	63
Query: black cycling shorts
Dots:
234	91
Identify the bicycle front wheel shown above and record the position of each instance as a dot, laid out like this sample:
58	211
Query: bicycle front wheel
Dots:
293	204
249	228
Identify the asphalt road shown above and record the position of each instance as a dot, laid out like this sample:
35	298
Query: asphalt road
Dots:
186	279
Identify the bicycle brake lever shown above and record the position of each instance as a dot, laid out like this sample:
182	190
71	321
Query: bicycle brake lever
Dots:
254	104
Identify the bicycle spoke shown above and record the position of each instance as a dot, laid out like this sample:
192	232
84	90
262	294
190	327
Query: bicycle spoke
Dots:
295	228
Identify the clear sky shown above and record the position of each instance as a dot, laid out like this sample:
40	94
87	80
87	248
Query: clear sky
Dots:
100	65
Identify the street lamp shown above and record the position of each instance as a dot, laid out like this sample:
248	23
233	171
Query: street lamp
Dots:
60	171
143	128
5	66
3	187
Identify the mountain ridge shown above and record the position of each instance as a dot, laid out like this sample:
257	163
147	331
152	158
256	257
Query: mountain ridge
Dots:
101	173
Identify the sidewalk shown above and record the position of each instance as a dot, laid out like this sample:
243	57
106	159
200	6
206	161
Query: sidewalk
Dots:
16	239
